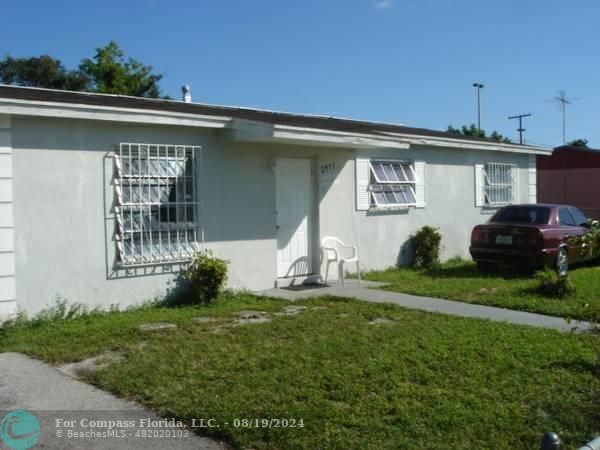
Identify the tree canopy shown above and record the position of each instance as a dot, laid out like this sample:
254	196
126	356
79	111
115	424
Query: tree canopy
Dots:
472	130
107	72
42	71
583	143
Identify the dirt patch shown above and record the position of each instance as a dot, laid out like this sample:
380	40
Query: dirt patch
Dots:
91	365
382	321
156	326
249	316
291	310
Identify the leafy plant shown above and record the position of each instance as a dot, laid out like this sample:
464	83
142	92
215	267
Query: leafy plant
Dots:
583	143
426	247
472	130
206	276
58	311
590	240
107	72
553	285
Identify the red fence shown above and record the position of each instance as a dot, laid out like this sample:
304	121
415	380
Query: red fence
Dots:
571	176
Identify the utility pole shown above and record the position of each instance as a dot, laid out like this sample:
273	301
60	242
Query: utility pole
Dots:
520	129
479	86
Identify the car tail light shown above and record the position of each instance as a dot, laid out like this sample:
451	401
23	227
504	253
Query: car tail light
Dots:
476	235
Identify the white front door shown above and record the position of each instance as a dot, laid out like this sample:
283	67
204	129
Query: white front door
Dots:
293	209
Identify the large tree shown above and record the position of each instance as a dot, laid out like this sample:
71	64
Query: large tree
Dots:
472	130
111	73
43	71
107	72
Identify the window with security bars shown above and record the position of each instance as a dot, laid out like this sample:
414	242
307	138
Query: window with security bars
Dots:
392	183
499	184
156	202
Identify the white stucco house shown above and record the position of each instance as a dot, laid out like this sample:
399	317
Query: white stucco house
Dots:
104	198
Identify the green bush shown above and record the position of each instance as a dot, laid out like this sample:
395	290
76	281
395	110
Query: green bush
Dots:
426	247
206	276
590	240
553	285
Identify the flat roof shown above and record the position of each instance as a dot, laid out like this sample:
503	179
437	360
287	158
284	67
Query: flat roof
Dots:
271	117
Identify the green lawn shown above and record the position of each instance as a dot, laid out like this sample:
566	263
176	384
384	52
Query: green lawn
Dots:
423	380
463	282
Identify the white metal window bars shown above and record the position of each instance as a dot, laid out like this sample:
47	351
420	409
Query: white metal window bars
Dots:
392	183
499	184
156	203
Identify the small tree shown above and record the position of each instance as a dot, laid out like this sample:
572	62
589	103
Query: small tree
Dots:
109	72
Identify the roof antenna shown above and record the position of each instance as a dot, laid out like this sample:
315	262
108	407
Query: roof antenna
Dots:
562	101
187	93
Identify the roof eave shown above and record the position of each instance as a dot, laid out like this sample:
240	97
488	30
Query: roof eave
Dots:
247	130
108	113
470	144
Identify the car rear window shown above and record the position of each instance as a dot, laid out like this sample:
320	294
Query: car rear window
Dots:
522	214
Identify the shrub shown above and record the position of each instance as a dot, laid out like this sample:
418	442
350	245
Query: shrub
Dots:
553	285
206	276
590	240
426	247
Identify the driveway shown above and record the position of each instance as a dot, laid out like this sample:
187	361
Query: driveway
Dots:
75	415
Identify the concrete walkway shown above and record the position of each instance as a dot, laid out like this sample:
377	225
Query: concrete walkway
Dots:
51	396
364	291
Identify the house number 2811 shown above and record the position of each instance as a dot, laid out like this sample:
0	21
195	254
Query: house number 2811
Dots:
328	169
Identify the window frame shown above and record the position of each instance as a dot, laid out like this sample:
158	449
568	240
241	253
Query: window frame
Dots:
386	186
150	179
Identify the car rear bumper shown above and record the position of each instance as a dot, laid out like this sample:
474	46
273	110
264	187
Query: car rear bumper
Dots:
520	257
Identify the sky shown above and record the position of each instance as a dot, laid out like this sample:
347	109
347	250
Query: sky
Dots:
410	62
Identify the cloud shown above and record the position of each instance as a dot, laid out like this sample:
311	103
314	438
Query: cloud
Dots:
382	4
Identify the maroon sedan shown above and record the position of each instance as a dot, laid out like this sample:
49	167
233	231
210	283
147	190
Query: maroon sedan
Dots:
530	236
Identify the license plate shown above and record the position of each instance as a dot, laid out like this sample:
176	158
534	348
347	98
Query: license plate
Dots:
504	240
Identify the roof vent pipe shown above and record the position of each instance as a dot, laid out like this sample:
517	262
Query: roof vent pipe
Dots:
187	93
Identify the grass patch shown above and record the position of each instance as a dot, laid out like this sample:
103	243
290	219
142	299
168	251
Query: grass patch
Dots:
462	281
418	380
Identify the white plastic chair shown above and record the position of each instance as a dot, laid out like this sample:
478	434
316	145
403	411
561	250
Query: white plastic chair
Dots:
332	249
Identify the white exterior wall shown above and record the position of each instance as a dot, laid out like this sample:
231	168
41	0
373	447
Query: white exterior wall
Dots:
7	253
382	235
63	197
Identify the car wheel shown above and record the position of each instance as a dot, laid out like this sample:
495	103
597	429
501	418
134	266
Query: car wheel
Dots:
562	262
